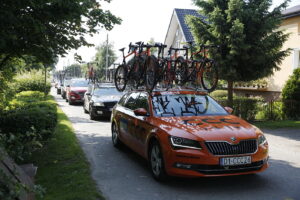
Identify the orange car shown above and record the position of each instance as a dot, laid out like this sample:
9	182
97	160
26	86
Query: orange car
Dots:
187	133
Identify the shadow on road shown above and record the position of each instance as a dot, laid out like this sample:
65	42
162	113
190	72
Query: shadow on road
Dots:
293	134
123	166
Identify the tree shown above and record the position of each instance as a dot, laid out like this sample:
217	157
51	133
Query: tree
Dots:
248	35
104	50
46	29
291	96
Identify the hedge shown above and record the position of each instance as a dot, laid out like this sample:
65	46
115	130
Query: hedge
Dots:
28	123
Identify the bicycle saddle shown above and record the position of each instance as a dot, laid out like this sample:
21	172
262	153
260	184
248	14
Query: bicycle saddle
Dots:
122	49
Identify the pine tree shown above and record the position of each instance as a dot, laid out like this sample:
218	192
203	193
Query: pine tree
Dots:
248	35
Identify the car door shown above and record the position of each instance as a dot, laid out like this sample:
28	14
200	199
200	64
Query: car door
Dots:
127	120
141	124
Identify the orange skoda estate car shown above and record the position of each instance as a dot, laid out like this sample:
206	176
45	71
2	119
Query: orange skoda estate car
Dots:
187	133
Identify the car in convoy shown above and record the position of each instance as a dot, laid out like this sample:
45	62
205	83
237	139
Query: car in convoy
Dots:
187	133
100	99
58	84
64	88
75	93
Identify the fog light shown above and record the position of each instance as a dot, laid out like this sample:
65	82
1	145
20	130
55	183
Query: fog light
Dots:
183	166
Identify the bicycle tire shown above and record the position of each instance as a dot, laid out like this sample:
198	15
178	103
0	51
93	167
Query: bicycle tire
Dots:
151	71
209	76
168	75
181	69
121	77
137	72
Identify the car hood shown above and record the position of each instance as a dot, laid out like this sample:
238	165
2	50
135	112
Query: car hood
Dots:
110	98
209	128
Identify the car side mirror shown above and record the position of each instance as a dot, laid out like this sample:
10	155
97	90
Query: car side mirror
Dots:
141	112
87	93
229	110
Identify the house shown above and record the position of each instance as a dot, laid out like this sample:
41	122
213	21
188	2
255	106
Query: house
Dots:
178	32
270	88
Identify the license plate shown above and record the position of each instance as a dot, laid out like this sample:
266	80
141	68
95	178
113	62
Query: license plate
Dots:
231	161
110	109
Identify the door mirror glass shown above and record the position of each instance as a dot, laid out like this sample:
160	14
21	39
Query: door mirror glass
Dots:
141	112
229	110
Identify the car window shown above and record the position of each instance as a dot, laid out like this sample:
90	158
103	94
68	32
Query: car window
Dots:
131	101
106	91
79	83
142	101
123	99
186	105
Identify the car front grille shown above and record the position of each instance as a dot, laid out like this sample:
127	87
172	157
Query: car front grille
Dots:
217	169
110	104
81	94
225	148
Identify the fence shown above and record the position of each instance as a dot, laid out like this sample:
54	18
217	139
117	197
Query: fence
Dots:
256	109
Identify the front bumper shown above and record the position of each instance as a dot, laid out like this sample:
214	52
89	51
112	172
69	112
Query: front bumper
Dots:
101	111
201	163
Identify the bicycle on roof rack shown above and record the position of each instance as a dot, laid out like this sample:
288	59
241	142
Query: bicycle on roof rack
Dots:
169	70
135	71
202	72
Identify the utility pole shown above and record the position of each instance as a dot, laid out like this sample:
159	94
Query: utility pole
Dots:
106	65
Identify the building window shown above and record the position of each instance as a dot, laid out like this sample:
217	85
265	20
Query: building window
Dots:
296	59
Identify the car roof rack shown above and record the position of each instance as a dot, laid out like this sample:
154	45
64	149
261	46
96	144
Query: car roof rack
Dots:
162	89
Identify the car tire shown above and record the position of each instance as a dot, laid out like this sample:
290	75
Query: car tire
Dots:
156	162
70	102
92	116
115	136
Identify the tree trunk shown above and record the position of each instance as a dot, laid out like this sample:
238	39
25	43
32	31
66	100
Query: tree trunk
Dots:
45	89
230	93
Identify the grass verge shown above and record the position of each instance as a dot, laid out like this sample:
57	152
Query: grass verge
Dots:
62	167
278	124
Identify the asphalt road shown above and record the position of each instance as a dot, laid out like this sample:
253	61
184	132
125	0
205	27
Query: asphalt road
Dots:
123	175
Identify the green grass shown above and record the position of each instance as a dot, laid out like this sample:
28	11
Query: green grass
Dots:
278	124
62	167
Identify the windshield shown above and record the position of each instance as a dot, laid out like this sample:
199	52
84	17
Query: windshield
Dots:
185	105
105	91
79	83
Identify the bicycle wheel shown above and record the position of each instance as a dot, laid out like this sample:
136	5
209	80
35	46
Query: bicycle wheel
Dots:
209	78
120	77
168	75
151	69
137	73
181	69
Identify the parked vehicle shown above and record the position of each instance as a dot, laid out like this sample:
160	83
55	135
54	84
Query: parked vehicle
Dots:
75	92
66	84
100	99
187	133
58	86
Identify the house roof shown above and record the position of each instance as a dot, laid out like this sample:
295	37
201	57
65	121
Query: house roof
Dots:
291	12
181	13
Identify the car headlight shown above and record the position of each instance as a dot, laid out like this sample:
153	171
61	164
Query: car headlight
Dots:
262	140
179	142
98	104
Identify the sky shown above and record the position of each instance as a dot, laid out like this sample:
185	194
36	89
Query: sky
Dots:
141	20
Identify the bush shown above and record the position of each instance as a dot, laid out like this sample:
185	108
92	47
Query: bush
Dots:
270	111
27	124
26	97
244	107
291	96
217	94
31	81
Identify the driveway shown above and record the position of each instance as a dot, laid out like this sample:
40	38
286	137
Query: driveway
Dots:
123	175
